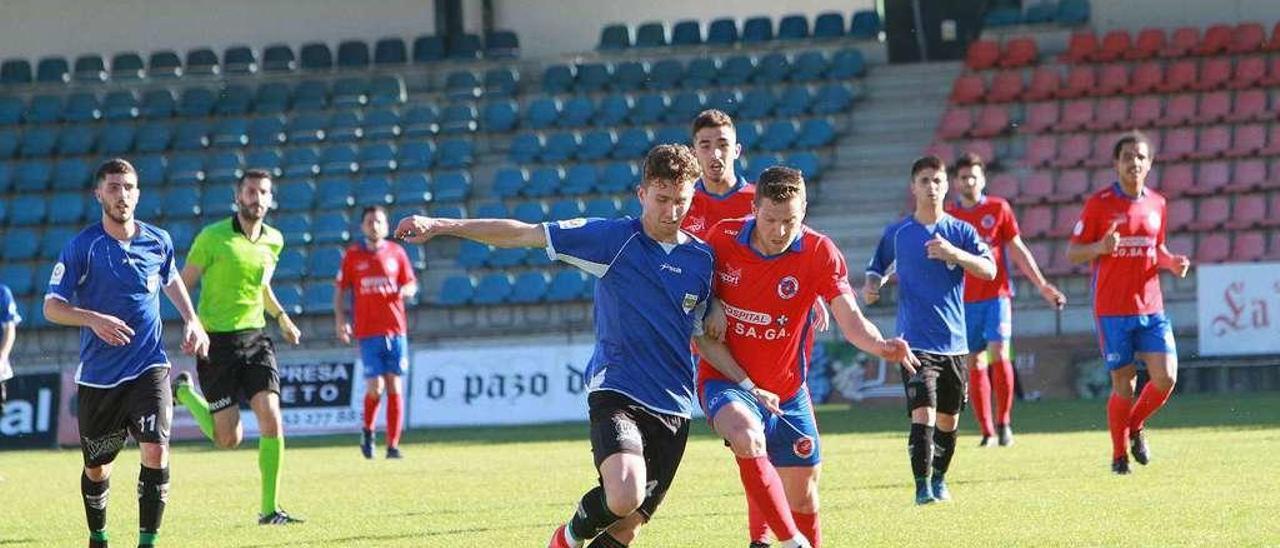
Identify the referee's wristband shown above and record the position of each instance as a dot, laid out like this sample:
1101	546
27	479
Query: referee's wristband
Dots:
747	385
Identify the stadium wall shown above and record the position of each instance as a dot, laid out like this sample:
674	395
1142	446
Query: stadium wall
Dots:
1137	14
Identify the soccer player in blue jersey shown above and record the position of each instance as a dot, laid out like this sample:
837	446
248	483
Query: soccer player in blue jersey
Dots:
654	282
9	320
108	281
931	251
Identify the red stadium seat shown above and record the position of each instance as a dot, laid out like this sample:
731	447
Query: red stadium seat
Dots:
1055	262
1274	43
1179	143
993	120
1113	79
1043	252
1111	113
1040	117
1035	221
968	89
1214	212
955	123
1146	78
1212	180
1114	44
1183	41
1249	72
1145	111
1248	141
1248	246
1045	82
1073	151
1080	82
1179	111
1273	218
1182	244
1081	46
1180	76
945	151
1041	150
1075	116
1064	220
1006	86
1217	38
1036	188
1213	143
1249	175
1104	177
983	148
1004	185
1213	248
1214	107
982	55
1247	38
1175	180
1180	214
1102	154
1251	106
1249	211
1148	45
1072	186
1215	73
1019	52
1273	73
1272	147
1273	247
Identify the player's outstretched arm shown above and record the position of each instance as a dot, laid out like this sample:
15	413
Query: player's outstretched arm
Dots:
288	330
1027	264
722	360
195	341
860	332
110	329
496	232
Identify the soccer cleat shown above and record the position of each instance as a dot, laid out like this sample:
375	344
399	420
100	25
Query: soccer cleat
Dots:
986	441
1138	446
279	517
394	453
1005	434
1120	466
366	443
558	539
924	495
940	491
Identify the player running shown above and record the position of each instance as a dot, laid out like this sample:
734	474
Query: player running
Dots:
9	320
1122	232
931	252
234	259
654	283
988	313
769	271
108	281
378	274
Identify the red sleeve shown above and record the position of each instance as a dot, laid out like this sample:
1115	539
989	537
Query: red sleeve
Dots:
833	272
1009	225
406	269
1164	222
1089	228
344	279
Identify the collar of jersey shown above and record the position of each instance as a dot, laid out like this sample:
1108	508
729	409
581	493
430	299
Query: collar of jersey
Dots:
1119	190
235	227
982	199
702	187
744	238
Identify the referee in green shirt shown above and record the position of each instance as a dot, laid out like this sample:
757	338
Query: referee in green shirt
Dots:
234	258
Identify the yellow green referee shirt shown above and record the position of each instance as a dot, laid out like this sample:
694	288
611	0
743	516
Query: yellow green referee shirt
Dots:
235	271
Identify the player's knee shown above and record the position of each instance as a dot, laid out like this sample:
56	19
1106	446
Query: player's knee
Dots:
624	500
923	415
1165	384
98	473
806	504
154	455
748	442
1122	389
226	440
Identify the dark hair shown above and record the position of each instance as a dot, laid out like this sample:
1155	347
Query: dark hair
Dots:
927	162
372	209
114	166
1130	138
711	118
252	174
779	183
670	163
969	160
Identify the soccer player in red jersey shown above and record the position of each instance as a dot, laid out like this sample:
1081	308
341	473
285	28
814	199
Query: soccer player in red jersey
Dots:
1122	233
721	193
769	271
987	310
378	273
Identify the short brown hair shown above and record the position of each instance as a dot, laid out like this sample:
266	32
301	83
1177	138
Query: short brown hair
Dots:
711	118
372	209
670	163
927	162
1131	138
253	174
114	166
779	183
969	160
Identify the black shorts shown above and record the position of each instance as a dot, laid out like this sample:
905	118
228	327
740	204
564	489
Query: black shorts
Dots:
940	383
142	408
620	425
240	364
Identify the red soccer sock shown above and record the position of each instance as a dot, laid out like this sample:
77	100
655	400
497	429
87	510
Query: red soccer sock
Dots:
809	527
980	393
1149	401
371	402
395	419
756	526
1002	381
762	484
1118	412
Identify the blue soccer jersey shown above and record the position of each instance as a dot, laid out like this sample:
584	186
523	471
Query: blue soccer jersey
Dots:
930	292
649	301
8	307
122	279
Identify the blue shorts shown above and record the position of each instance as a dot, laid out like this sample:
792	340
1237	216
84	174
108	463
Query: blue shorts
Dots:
1121	337
987	322
792	439
384	355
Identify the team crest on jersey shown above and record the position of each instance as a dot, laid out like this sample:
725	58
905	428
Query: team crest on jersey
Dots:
690	302
55	277
390	266
730	276
788	287
988	221
1153	221
803	447
568	224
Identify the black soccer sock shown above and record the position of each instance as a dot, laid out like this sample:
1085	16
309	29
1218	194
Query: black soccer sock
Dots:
606	541
95	505
920	446
944	447
153	493
593	515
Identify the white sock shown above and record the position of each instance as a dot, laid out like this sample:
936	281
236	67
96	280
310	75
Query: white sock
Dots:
568	537
797	542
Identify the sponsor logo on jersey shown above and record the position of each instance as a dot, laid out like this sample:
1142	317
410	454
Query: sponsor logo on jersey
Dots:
569	224
671	268
730	276
55	278
788	287
747	316
695	224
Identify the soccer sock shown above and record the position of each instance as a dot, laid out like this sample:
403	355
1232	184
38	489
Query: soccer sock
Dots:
809	527
944	447
153	493
920	447
762	483
197	406
395	418
980	393
1149	401
371	403
593	515
606	541
1118	412
1003	382
757	528
270	460
95	505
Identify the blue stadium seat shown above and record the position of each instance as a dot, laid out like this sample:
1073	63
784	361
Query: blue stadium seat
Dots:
289	295
501	44
152	169
279	58
301	162
832	98
239	60
757	30
580	179
9	139
671	135
463	85
772	68
722	32
456	153
414	251
52	242
151	137
793	27
216	201
749	133
449	211
345	126
1002	17
829	25
509	181
757	163
20	279
307	128
651	35
464	46
630	75
353	54
473	254
390	51
74	174
1040	13
21	244
27	210
525	148
456	290
507	257
32	175
120	105
500	116
630	207
127	66
334	193
181	202
44	109
81	107
79	140
4	216
666	74
614	37
529	288
331	227
266	131
428	49
604	208
296	228
593	77
230	132
416	155
737	70
795	101
501	82
191	135
561	147
273	98
649	109
11	110
310	95
865	25
420	121
324	262
89	69
846	64
459	118
182	233
815	132
223	167
1073	12
808	66
373	190
576	112
725	100
807	163
565	209
196	102
15	72
268	159
452	186
567	285
339	160
618	177
614	110
685	106
542	113
383	123
158	103
350	92
150	203
39	141
162	64
558	78
53	70
201	62
295	195
544	181
779	135
377	158
186	169
687	32
597	145
633	142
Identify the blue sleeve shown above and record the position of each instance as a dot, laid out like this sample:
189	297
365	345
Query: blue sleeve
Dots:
970	241
8	308
882	263
589	244
168	269
71	267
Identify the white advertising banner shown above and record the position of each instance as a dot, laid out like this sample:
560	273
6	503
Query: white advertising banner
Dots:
498	385
1234	303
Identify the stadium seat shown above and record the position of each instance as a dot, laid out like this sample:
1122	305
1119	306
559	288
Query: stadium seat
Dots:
239	60
223	167
15	72
1019	52
808	66
529	287
411	188
1037	187
544	181
648	109
1248	140
27	209
993	120
530	212
196	102
1250	106
428	49
1179	111
452	186
390	51
722	32
828	25
807	163
1217	39
462	85
456	153
350	92
701	72
955	124
1110	114
737	70
127	66
982	55
542	113
1145	111
377	158
324	262
331	227
1248	246
629	75
597	145
1081	81
1113	47
459	118
81	107
1074	151
1081	46
456	290
1065	217
865	24
1214	141
89	69
1006	86
795	101
278	58
565	209
594	77
501	44
1044	85
1249	175
32	175
772	68
306	128
1075	116
295	195
1212	179
310	95
266	131
757	104
420	121
1249	211
1002	17
1113	79
50	243
1149	43
793	27
230	132
72	173
617	177
301	162
493	289
44	109
234	100
385	90
415	155
21	244
273	98
1147	77
567	285
575	112
373	190
352	54
1176	180
686	33
614	37
1073	12
334	193
604	208
968	89
1181	44
39	141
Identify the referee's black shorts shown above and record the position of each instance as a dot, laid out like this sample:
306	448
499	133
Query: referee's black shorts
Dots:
240	364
